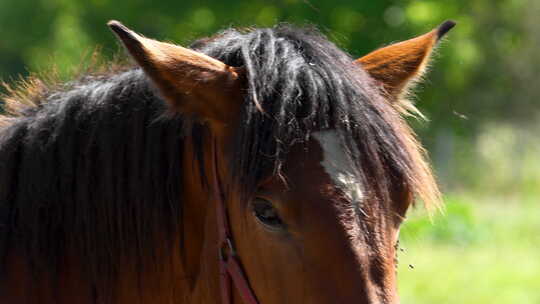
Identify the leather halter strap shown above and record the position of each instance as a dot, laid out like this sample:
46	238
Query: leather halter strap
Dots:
230	269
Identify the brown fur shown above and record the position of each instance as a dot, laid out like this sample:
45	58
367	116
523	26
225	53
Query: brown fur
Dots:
395	66
399	66
204	86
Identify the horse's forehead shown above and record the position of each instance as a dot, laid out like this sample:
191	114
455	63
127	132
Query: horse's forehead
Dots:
338	165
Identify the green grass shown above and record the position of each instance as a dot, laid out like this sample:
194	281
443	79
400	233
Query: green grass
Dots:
479	251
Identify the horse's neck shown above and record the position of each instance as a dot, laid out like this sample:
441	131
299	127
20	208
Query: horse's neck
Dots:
200	232
192	277
186	273
190	274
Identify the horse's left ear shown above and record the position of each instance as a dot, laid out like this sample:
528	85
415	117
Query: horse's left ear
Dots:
399	65
191	82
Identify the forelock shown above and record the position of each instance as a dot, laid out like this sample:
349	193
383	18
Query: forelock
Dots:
298	82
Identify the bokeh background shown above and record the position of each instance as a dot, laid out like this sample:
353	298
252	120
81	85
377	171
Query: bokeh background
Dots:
482	99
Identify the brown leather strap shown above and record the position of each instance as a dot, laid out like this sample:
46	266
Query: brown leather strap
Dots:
229	264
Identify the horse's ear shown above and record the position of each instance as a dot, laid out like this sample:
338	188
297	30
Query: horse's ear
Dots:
399	65
191	82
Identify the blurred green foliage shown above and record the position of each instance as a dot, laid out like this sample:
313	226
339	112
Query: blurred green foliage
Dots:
457	225
480	250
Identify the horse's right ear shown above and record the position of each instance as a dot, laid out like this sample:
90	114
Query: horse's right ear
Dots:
398	66
191	82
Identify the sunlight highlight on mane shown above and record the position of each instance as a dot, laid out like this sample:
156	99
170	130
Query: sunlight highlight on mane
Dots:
26	93
31	91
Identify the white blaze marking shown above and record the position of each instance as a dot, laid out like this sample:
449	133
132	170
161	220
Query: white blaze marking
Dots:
338	165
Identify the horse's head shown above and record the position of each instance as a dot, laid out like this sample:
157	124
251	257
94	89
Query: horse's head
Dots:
315	162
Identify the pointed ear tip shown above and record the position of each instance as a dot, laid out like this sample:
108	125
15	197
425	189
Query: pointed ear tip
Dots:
444	28
119	29
116	25
113	22
127	36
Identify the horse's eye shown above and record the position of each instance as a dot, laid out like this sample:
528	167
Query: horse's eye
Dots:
266	214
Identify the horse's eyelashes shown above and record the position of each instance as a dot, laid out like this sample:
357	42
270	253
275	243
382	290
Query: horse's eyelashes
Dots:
266	214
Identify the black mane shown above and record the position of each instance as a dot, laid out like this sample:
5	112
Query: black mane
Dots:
96	166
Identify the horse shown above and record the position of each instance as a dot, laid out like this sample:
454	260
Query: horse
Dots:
255	166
